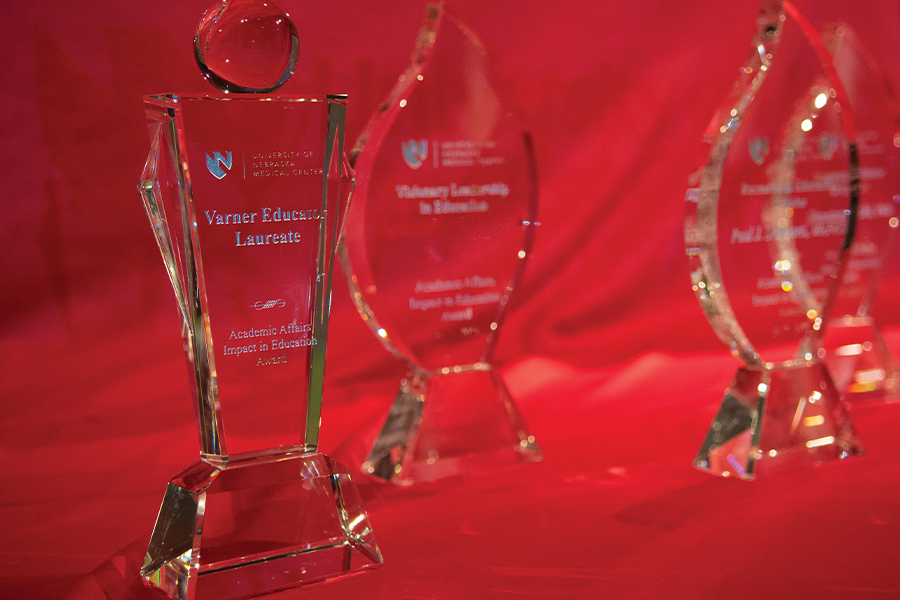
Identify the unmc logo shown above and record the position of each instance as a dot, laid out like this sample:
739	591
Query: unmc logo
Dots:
414	152
828	145
759	149
215	163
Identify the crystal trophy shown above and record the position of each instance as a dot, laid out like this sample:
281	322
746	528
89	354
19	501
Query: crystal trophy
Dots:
246	193
770	216
857	355
442	224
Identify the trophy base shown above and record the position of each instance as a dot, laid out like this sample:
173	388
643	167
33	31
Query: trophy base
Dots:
447	424
255	525
777	418
859	360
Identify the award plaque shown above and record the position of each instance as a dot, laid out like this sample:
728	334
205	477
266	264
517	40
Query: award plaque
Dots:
441	227
858	357
770	218
246	193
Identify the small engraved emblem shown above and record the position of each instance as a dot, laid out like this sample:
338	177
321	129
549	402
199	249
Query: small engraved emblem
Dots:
828	145
414	152
268	304
759	149
215	163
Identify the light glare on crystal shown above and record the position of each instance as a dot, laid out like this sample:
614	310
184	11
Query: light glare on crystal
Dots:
246	46
823	441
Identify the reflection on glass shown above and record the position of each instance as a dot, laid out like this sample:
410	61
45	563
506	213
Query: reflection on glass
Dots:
246	195
436	240
858	357
246	46
769	219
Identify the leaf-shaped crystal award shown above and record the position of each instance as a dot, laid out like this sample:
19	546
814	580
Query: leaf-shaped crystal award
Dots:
858	357
768	225
246	194
441	226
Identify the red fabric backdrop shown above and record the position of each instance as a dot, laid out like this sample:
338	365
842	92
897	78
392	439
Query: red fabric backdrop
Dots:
605	346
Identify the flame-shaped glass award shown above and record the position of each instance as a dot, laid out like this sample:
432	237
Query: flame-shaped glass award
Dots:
437	238
770	216
858	357
246	193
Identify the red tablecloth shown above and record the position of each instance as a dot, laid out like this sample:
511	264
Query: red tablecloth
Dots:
605	348
615	510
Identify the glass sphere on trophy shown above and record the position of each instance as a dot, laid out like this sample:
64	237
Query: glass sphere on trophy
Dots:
858	357
437	238
770	219
246	193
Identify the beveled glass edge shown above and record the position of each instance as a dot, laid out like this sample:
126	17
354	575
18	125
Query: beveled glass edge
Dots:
149	189
188	491
198	326
195	330
334	155
719	134
407	80
503	87
710	288
529	226
366	313
175	97
379	123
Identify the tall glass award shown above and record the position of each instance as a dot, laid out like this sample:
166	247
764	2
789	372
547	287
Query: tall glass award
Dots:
858	357
770	217
442	224
246	193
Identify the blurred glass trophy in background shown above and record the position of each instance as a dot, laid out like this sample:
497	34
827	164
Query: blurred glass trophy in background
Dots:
858	357
246	193
441	226
770	217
